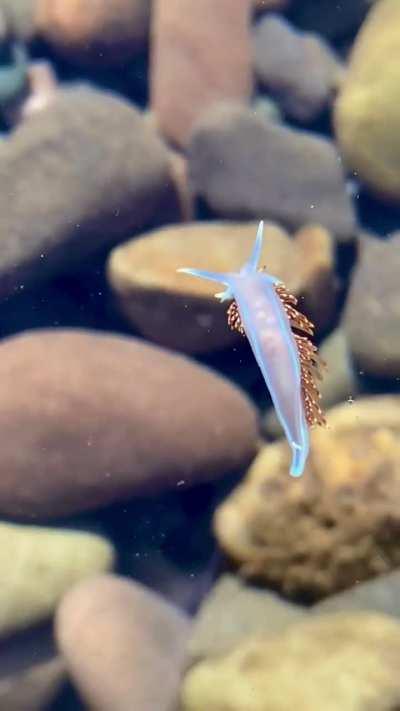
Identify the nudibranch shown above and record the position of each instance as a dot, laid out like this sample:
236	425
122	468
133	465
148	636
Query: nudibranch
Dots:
263	310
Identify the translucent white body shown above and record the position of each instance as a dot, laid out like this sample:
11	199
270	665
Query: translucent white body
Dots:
269	333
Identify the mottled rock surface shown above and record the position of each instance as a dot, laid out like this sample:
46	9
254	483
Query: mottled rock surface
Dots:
331	662
55	206
181	312
39	565
367	112
99	32
299	70
335	526
234	611
243	166
88	419
200	56
123	645
372	315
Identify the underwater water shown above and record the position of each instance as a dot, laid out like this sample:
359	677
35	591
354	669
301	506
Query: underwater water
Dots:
199	496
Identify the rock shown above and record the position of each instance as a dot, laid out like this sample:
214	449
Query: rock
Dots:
245	167
124	646
335	526
199	57
379	595
95	33
339	382
334	20
367	113
181	312
38	565
299	70
330	662
373	307
70	207
234	611
21	17
100	418
32	689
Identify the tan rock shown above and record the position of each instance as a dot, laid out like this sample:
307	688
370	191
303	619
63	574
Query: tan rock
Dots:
367	112
200	56
124	646
343	661
336	525
88	419
39	565
96	32
176	310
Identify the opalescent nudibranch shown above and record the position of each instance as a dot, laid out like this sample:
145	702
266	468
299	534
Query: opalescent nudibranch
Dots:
264	311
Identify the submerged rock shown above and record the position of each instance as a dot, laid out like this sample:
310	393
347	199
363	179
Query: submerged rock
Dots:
336	525
124	645
331	662
95	33
245	167
200	56
367	112
300	70
373	308
181	312
82	174
89	419
39	565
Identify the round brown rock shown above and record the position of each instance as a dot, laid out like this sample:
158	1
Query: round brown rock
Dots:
95	32
87	419
124	646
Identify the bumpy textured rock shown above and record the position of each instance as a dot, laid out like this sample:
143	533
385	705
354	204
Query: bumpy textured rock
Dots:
332	662
339	382
39	565
300	70
96	32
55	206
124	646
234	611
181	312
335	526
88	419
373	308
200	56
243	166
33	688
367	113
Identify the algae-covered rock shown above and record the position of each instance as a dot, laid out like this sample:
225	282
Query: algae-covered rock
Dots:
343	661
336	525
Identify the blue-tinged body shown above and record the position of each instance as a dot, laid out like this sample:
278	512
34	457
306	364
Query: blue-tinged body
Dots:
268	330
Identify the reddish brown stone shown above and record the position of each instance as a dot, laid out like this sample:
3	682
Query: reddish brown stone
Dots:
201	54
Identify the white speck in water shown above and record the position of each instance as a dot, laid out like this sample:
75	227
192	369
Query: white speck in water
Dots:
181	482
361	372
312	207
350	400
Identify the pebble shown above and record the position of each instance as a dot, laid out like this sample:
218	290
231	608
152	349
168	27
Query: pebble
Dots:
181	312
100	33
56	209
90	418
39	565
124	646
198	57
245	167
299	70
